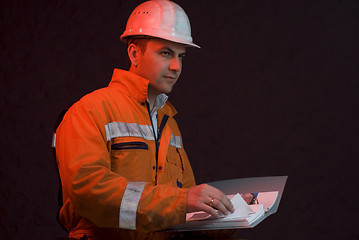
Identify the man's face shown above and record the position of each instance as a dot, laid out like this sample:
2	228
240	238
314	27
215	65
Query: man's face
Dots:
161	64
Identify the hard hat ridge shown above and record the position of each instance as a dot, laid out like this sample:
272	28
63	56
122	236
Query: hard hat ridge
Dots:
162	19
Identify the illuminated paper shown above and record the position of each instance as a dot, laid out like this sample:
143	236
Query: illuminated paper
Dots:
269	189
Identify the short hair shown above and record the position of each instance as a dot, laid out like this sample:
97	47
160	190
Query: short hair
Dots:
140	42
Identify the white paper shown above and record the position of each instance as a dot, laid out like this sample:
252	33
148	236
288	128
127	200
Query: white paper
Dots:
242	210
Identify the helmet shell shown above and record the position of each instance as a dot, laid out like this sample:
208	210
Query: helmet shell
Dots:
161	19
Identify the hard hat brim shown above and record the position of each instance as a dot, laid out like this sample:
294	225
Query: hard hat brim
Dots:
125	36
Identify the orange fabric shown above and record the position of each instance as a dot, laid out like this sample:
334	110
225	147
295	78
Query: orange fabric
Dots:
94	176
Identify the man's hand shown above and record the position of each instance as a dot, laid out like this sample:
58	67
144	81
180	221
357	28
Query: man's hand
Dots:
247	197
208	199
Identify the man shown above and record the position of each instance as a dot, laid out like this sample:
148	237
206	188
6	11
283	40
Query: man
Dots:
123	168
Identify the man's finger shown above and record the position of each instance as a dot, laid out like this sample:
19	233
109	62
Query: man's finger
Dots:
228	204
220	207
211	210
218	194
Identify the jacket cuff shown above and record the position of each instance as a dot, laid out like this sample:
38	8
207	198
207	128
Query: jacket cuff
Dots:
184	205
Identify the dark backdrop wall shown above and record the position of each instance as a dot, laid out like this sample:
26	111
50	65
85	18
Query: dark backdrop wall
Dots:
273	91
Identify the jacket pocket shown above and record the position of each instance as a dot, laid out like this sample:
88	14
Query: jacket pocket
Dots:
175	164
129	145
131	159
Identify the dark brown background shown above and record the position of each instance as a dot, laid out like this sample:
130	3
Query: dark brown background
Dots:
273	91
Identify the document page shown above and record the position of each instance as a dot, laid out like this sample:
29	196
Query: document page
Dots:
242	210
265	201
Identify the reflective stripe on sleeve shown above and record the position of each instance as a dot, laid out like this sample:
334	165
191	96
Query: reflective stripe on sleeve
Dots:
53	140
129	204
122	129
175	141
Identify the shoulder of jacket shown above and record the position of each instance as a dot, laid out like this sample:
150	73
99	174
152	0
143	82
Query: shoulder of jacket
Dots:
100	97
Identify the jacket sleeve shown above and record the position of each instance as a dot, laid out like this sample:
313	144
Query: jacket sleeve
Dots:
100	194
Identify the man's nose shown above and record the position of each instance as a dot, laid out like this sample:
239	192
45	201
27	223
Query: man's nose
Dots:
176	64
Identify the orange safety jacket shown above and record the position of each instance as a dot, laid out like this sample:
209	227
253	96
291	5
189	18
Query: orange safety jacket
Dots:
118	180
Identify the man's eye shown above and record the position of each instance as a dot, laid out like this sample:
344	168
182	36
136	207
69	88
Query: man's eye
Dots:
165	53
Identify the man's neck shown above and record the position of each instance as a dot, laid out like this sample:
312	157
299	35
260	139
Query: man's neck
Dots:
151	96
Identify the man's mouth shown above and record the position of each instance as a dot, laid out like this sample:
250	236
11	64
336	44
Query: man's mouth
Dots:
172	78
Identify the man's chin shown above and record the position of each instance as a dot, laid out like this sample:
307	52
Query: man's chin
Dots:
166	90
163	89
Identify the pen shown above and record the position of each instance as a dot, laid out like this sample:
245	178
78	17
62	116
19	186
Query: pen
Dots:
254	199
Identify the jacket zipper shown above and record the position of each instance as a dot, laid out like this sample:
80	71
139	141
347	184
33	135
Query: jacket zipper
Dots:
159	133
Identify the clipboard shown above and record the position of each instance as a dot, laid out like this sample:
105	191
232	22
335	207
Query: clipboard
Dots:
253	185
240	185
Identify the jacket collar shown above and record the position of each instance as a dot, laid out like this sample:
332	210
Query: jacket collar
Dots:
130	84
135	87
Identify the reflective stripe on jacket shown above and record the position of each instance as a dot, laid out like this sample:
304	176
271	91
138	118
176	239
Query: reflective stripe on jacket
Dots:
114	175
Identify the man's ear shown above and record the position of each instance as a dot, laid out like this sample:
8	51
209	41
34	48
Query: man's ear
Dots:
133	54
